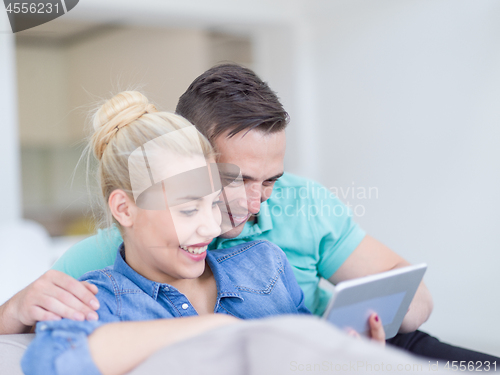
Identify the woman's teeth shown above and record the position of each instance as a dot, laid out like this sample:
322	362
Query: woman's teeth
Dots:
194	250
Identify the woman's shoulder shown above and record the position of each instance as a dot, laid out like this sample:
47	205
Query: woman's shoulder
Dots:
113	290
246	249
102	277
109	282
256	267
260	249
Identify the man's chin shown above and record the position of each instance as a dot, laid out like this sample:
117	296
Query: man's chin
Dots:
234	232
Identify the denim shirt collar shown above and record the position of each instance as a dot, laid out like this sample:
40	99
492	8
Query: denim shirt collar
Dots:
225	288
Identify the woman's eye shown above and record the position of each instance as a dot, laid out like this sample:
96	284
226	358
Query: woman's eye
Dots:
216	203
189	212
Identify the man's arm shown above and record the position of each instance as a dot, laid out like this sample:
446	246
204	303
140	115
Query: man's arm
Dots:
56	295
370	257
53	296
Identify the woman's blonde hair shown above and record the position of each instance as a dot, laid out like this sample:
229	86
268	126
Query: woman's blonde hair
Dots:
121	125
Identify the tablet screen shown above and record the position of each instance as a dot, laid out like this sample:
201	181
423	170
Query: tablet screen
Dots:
357	314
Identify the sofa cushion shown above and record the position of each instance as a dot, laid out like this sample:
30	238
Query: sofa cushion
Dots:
12	348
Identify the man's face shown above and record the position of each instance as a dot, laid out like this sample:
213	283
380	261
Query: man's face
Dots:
260	157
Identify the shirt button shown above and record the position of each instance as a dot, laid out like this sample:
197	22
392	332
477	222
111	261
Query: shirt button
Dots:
185	306
43	327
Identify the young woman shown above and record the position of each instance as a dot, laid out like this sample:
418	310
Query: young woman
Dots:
161	187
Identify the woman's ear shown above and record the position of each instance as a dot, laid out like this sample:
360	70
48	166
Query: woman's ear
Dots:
122	207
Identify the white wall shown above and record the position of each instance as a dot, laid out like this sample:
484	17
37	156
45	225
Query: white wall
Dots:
42	84
161	61
9	143
408	95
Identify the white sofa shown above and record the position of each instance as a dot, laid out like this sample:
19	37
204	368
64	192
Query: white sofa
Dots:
12	348
278	345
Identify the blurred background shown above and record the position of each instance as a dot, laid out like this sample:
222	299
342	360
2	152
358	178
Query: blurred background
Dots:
394	106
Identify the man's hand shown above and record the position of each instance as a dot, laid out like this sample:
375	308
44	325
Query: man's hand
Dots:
370	257
53	296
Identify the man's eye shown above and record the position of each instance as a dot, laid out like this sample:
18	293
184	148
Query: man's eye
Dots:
233	183
189	212
269	182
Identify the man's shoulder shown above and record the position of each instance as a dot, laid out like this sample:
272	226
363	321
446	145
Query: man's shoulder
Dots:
104	238
92	253
293	187
292	180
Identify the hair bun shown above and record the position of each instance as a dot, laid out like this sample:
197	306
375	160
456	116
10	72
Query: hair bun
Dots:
119	111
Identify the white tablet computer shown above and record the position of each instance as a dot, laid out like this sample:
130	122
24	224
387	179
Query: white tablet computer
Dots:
389	294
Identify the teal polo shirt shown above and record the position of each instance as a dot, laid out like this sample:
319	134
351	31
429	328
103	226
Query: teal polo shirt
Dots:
312	226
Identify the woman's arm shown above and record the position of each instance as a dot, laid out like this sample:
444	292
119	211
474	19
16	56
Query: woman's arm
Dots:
109	345
117	348
96	348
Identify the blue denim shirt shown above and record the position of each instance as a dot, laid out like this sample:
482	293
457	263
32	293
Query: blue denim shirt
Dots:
254	280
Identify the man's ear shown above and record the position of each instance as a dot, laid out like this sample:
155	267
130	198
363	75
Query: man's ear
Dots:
122	207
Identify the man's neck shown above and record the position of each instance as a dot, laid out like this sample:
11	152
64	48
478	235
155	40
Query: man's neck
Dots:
253	219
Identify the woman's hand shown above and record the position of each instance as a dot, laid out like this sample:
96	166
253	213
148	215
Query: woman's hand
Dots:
377	332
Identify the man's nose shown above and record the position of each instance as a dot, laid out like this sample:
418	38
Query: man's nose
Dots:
254	206
254	198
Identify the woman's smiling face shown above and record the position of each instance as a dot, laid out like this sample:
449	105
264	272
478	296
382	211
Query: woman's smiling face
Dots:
167	245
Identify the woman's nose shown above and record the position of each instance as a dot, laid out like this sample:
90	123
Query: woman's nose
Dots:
210	224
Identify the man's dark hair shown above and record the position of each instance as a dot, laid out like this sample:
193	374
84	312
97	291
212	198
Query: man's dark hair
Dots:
231	98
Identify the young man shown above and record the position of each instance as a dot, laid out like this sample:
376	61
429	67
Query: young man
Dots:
244	120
